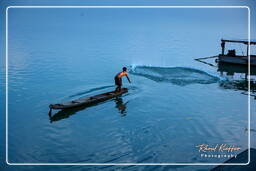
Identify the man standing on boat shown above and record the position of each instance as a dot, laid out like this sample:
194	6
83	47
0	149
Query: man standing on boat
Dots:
118	78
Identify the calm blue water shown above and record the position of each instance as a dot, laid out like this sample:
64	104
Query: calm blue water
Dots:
174	103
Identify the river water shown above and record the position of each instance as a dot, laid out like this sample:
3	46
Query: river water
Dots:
174	103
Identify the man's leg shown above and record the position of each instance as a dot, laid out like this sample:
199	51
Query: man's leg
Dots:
119	87
120	84
116	83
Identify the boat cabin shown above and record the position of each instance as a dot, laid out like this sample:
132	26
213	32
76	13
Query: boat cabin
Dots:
231	55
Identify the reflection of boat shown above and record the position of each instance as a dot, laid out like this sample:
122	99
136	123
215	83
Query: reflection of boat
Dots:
88	100
65	113
232	57
237	83
240	85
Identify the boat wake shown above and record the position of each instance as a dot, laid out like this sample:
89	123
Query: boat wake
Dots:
101	89
176	75
92	90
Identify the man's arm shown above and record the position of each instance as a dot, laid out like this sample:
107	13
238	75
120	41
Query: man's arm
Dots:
128	78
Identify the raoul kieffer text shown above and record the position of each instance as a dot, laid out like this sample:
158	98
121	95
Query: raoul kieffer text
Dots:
217	148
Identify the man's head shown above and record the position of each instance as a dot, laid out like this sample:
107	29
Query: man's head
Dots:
124	69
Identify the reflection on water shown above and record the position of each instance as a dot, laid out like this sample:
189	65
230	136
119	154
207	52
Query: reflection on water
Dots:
65	113
237	78
241	85
121	106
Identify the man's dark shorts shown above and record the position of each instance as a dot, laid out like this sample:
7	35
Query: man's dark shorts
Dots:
118	81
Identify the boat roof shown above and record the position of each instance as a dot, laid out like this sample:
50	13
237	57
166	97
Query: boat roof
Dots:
244	41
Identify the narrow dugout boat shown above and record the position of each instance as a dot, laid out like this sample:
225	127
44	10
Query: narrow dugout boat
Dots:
88	100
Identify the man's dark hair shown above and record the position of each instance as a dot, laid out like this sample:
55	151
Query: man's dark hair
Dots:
124	69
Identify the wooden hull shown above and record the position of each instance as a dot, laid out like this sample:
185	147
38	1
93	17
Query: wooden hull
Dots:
242	60
233	68
88	100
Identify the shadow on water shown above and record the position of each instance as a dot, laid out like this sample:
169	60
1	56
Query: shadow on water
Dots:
66	113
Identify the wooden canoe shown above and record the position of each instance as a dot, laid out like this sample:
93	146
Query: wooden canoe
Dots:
88	100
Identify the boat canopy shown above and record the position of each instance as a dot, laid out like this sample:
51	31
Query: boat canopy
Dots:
239	41
247	42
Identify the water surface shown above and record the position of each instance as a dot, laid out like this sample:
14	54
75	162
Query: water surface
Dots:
174	103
